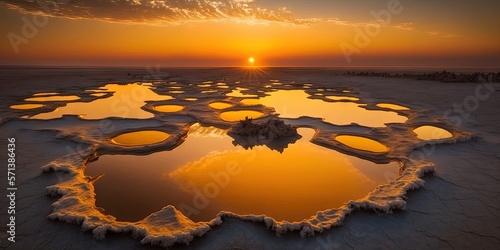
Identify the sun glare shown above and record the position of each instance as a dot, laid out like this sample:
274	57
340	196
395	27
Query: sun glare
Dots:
251	60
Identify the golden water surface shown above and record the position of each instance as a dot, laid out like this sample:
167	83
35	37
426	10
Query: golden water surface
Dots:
207	174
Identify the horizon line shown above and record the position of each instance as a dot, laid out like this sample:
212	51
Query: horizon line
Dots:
245	67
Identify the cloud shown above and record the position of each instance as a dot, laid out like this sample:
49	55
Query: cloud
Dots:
158	11
161	12
443	35
340	22
404	26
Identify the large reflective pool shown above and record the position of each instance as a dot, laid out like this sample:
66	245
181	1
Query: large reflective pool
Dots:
207	174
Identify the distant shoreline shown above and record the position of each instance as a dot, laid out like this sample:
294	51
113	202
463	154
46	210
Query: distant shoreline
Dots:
460	74
377	69
443	76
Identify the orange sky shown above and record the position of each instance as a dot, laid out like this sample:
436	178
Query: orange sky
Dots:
409	39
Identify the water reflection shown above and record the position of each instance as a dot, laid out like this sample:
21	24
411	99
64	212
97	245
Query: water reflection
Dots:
53	98
295	103
209	91
207	174
126	102
169	108
342	98
26	106
138	138
220	105
392	106
237	93
431	133
46	93
250	102
362	143
234	116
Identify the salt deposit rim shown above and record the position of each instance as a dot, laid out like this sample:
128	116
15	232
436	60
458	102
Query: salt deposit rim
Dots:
155	232
175	140
181	138
306	227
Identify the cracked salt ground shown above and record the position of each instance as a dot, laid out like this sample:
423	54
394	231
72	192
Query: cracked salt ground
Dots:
456	209
327	216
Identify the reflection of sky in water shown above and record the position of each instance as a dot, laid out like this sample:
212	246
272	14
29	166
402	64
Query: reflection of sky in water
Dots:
53	98
294	103
431	133
46	93
169	108
392	106
362	143
26	106
234	116
341	98
250	102
293	185
220	105
237	93
137	138
126	101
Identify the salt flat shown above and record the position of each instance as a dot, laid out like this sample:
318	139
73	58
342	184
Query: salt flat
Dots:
457	206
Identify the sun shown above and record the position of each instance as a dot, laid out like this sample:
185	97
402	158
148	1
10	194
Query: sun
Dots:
251	60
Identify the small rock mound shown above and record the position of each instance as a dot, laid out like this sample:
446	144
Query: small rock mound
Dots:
272	129
274	134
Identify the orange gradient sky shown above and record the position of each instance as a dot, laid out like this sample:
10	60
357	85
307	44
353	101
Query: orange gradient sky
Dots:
306	33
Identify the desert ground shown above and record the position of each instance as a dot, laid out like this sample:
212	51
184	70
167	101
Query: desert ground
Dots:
445	195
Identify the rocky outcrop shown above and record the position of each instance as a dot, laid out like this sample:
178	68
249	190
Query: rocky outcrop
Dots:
274	133
443	76
272	129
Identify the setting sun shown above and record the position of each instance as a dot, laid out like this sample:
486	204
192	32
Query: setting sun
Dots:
281	120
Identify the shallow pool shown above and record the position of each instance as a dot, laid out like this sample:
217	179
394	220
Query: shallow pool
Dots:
140	138
238	115
432	133
207	174
296	103
124	102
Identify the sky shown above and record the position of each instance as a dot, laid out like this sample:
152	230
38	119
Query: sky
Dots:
201	33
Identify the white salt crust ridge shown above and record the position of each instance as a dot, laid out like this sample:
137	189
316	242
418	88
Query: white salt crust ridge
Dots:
169	226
